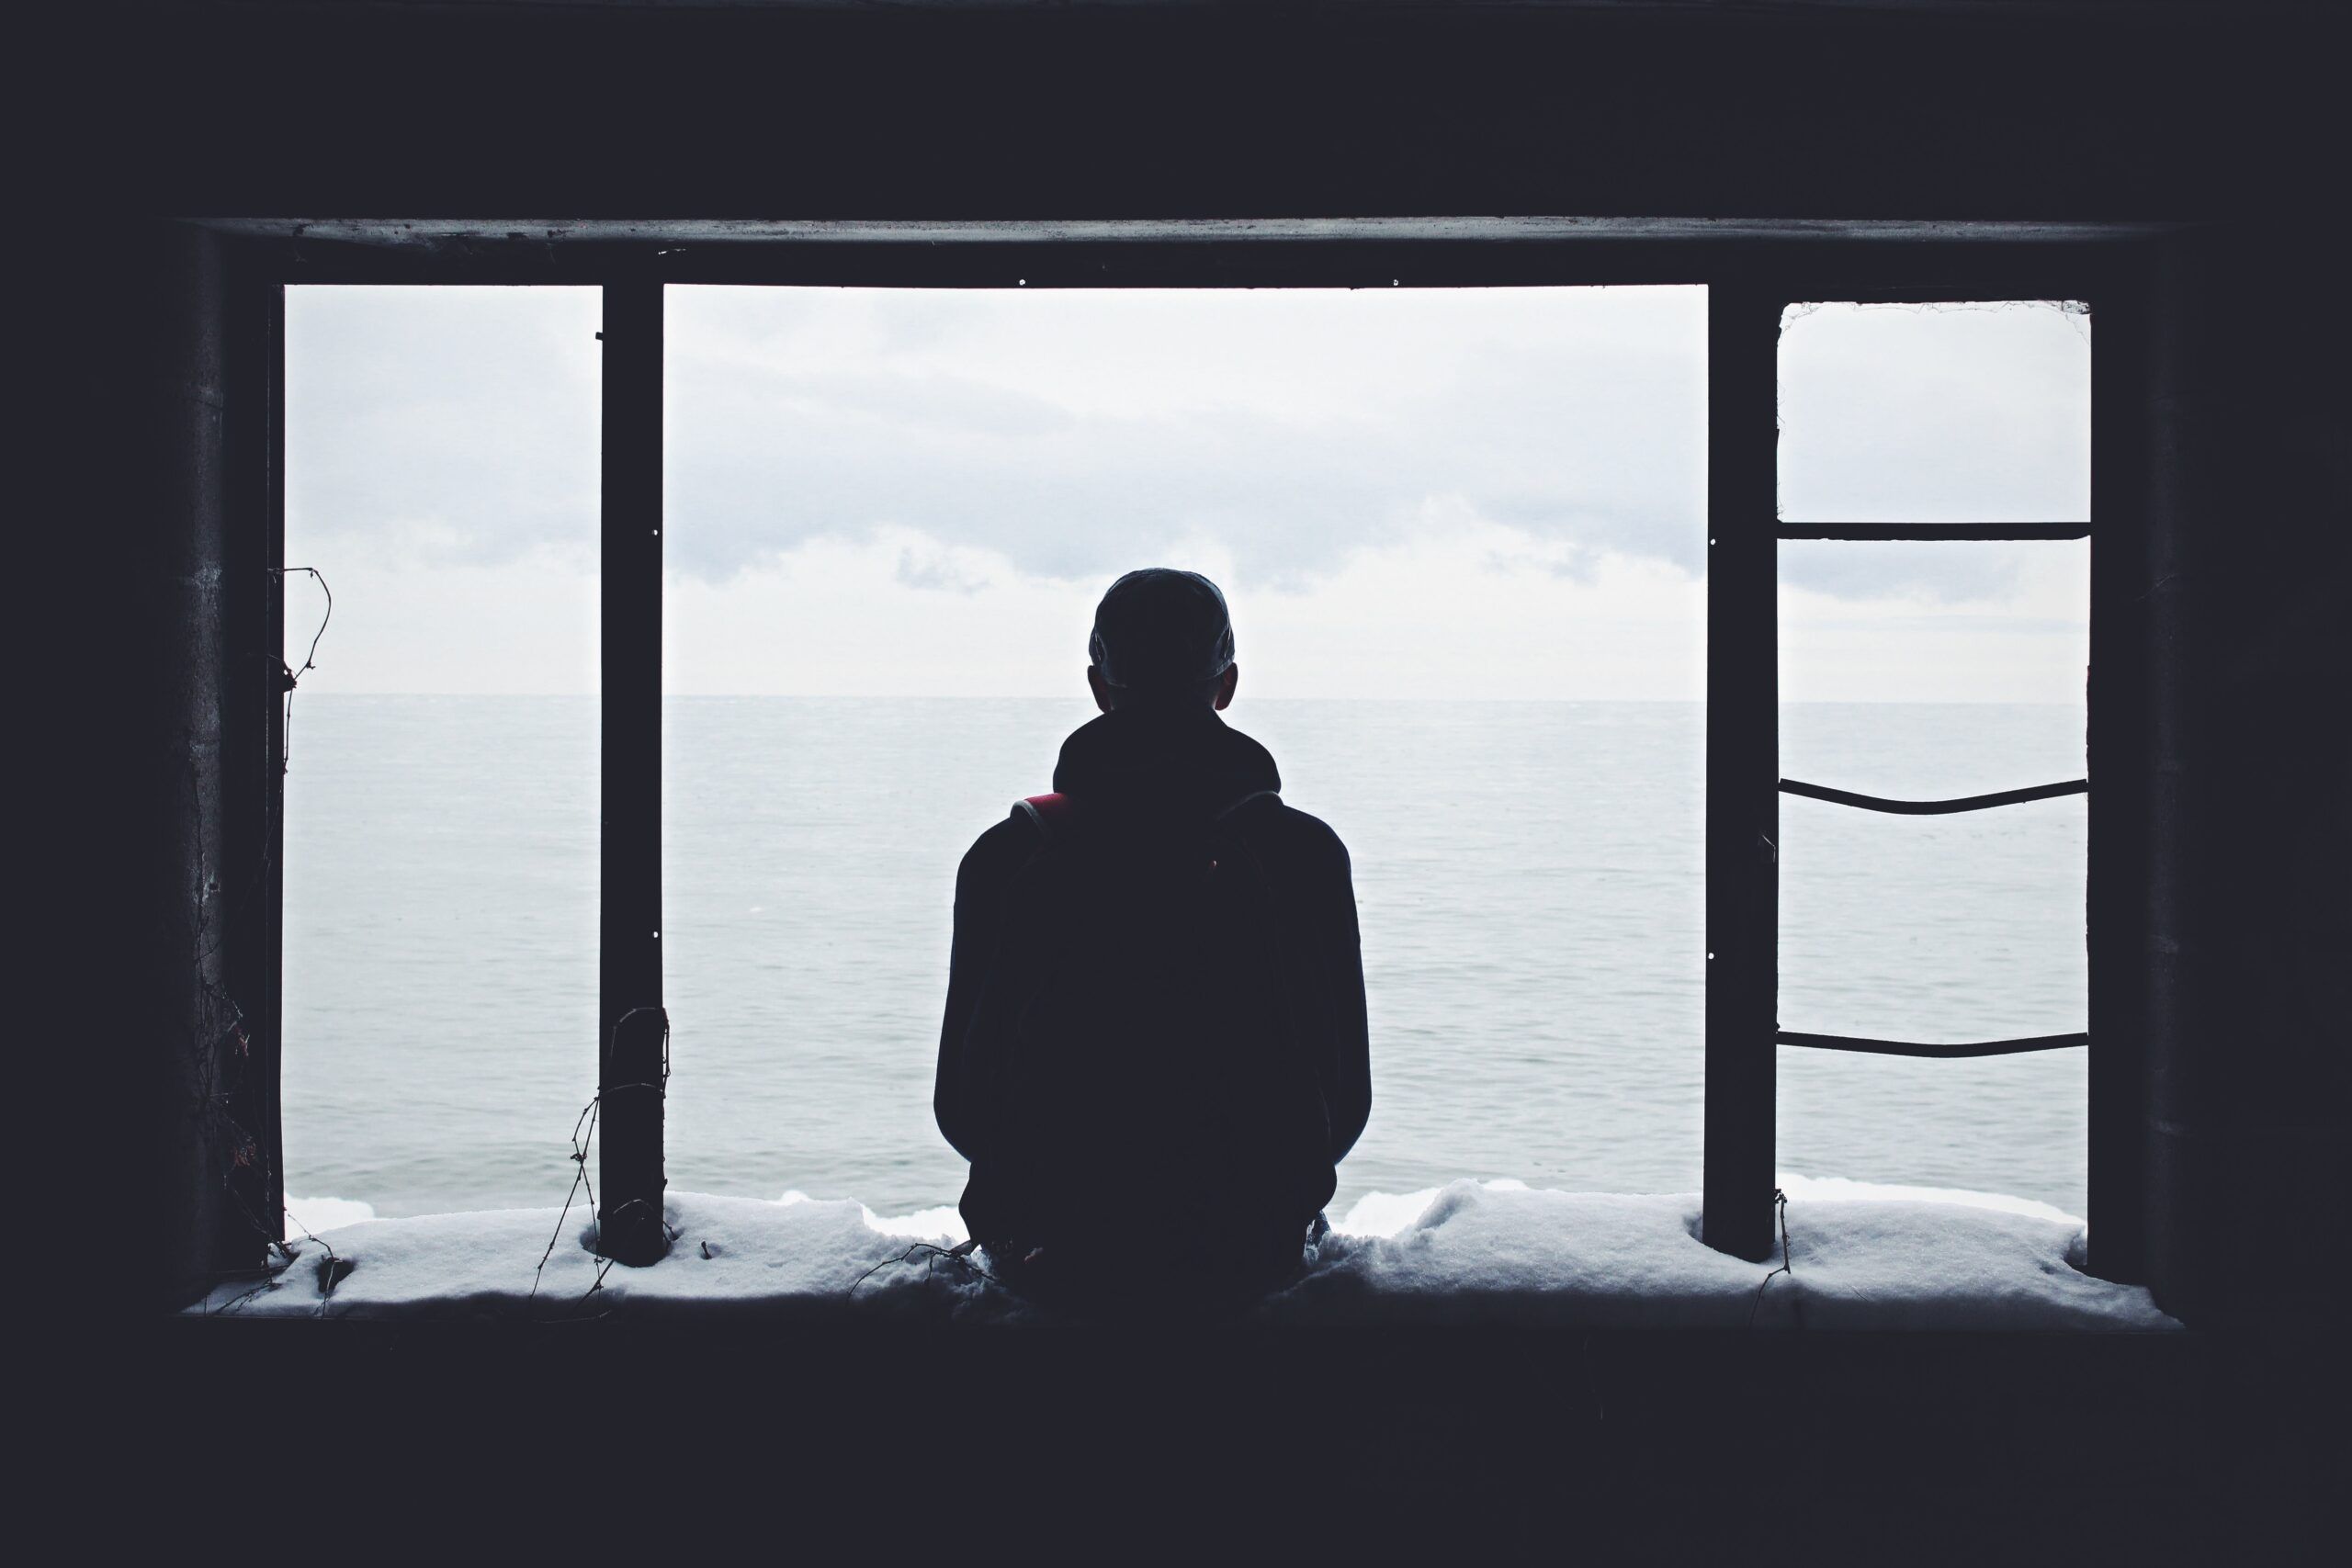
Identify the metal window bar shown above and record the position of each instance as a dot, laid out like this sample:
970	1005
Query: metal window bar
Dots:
1942	1053
1929	531
1934	807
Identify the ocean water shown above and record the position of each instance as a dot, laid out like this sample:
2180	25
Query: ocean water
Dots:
1530	878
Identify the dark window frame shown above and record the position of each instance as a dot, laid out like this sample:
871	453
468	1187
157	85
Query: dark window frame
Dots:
1749	277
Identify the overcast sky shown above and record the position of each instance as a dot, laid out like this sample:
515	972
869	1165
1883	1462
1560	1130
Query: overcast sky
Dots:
1411	492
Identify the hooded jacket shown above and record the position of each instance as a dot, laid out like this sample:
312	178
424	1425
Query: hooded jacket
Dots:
1164	771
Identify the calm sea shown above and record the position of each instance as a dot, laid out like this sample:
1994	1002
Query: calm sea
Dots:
1530	876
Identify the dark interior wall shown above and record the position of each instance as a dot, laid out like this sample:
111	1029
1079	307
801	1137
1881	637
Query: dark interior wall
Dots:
2250	1101
2213	116
1281	108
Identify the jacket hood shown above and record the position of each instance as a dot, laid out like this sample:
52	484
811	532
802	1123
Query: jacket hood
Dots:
1178	760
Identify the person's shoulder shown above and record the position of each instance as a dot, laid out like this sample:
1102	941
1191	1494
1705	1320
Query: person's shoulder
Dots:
1306	834
1001	848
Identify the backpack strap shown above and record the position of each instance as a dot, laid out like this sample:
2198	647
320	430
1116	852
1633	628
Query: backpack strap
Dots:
1047	813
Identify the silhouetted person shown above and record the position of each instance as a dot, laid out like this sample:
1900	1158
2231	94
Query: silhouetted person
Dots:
1155	1050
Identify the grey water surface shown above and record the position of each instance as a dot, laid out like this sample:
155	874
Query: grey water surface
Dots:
1530	878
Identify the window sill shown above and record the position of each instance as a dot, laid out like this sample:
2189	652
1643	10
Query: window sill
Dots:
1483	1255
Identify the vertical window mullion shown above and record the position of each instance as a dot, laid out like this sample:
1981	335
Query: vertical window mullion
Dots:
633	1029
2119	747
1743	766
252	737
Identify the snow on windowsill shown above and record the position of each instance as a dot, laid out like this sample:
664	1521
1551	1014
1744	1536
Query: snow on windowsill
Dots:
1862	1256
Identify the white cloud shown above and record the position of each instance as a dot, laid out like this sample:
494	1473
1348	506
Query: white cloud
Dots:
1967	623
1423	493
1430	614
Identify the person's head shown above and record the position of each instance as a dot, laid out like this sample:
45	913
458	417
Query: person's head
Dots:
1162	637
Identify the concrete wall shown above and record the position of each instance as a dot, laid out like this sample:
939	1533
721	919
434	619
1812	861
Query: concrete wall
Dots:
2250	1014
2225	117
1829	112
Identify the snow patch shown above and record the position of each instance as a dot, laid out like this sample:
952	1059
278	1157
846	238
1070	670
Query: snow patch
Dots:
1469	1252
945	1224
1880	1191
1383	1213
1498	1252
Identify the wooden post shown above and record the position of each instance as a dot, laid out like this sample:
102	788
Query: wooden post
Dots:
1743	765
632	1039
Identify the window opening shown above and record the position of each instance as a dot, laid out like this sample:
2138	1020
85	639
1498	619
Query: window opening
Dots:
441	800
1885	417
1461	532
633	504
